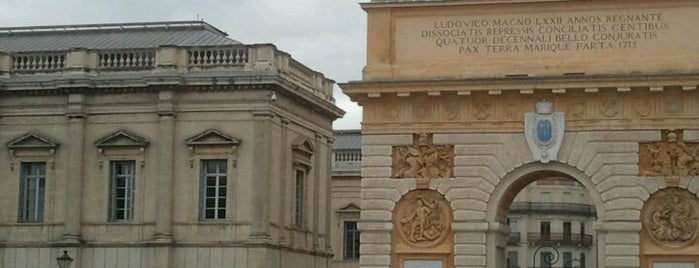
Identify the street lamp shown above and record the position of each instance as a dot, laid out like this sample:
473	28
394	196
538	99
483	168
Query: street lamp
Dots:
64	260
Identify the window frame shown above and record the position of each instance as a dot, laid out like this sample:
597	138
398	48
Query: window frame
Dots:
218	204
40	197
300	181
350	254
129	193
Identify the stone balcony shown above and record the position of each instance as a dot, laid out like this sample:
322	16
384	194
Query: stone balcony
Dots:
165	65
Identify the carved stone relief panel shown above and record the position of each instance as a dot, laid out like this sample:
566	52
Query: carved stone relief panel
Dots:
423	159
670	217
452	110
422	218
669	157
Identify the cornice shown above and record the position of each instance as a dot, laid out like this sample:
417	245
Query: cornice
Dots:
525	85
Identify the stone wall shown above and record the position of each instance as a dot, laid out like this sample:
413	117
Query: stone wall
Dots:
487	165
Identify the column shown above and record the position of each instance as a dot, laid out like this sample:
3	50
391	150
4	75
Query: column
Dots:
73	191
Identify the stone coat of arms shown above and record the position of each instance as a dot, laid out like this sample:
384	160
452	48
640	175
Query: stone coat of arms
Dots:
544	131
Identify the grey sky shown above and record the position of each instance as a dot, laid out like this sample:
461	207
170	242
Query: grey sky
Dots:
326	35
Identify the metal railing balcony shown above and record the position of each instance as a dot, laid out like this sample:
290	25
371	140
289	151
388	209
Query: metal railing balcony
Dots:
514	239
584	240
553	207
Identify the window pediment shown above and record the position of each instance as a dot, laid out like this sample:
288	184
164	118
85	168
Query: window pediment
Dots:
32	145
213	143
303	150
304	146
32	141
122	138
212	137
349	208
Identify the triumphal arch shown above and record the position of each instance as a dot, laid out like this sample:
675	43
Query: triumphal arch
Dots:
466	102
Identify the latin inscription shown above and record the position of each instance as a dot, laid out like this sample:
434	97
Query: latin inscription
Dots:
545	34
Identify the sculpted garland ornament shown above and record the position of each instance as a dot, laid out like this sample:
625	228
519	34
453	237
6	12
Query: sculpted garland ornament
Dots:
422	218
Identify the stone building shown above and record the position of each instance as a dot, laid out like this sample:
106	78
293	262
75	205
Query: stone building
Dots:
551	222
467	102
345	197
162	144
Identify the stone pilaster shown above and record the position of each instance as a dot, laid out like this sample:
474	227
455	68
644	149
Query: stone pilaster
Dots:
262	146
328	194
166	132
316	191
165	179
284	154
74	180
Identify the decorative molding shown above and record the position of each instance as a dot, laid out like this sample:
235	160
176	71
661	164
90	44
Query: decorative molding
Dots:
32	142
670	217
213	138
423	160
349	208
303	149
480	112
121	140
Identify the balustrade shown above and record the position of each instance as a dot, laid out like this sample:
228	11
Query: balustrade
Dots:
39	62
127	59
217	56
241	57
348	156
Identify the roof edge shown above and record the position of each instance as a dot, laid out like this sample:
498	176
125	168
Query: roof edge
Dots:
112	26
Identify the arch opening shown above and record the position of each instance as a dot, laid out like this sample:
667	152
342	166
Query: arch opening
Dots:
548	213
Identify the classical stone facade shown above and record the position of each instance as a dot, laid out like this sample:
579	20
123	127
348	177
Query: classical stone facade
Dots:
622	73
345	197
161	144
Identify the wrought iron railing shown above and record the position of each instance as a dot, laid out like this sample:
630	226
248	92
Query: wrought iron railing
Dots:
553	207
584	240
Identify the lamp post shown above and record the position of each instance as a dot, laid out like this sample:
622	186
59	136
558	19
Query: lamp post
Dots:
64	260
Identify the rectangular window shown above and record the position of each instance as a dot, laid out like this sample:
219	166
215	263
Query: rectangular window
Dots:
298	198
32	186
567	260
545	231
512	259
546	259
214	182
567	231
351	249
122	176
582	260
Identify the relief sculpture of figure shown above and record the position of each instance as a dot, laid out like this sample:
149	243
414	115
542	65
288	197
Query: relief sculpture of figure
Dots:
674	220
423	222
671	157
423	159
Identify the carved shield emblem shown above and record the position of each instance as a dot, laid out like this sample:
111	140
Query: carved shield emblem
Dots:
544	131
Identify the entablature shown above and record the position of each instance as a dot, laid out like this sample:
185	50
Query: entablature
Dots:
524	85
